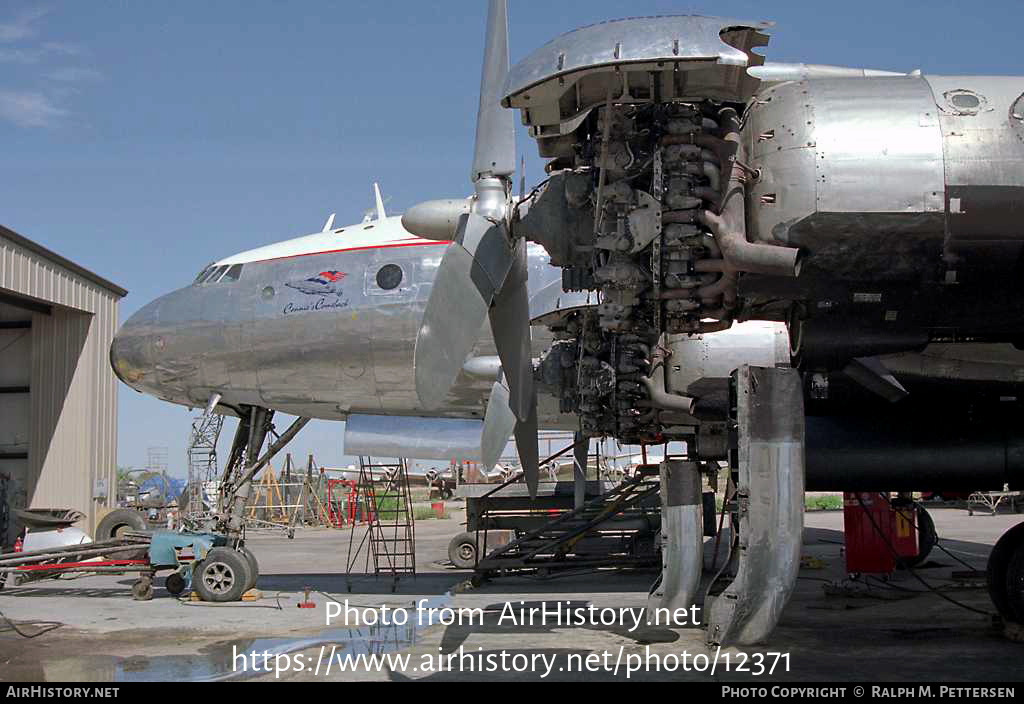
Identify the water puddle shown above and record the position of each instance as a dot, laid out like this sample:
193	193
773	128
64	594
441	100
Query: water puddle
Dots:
233	659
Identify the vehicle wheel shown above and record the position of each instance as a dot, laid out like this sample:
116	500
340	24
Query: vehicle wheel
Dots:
222	576
1015	585
142	589
999	567
462	551
175	584
926	537
254	567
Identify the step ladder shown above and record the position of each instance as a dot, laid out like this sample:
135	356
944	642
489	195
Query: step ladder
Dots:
389	542
617	529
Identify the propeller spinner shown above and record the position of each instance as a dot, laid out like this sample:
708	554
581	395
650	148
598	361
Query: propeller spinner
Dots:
483	273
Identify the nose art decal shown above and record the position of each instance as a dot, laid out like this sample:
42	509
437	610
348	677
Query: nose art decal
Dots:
321	286
323	283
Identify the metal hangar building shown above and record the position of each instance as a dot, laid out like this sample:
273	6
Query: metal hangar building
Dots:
58	394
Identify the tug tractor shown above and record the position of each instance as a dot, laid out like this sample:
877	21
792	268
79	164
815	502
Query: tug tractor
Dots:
213	560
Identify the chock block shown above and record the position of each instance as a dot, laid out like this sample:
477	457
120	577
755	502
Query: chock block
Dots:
251	595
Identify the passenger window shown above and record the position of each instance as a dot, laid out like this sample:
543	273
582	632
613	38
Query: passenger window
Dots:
233	273
389	277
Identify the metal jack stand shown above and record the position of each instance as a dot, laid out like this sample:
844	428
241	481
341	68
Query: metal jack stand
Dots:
745	600
383	492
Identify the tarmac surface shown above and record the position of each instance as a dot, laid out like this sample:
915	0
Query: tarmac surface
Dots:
90	629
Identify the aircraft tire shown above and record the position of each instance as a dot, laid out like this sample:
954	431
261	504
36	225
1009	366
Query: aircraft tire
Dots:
1015	585
118	521
927	538
254	566
1008	547
115	523
222	576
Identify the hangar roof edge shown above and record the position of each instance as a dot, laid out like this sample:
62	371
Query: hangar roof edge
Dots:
42	251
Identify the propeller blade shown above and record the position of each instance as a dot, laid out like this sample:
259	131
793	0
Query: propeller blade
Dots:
510	324
526	444
473	269
495	151
499	422
522	178
449	329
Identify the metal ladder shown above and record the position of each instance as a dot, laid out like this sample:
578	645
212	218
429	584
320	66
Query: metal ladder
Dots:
202	462
390	537
614	519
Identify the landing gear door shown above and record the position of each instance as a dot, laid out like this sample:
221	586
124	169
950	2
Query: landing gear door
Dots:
770	491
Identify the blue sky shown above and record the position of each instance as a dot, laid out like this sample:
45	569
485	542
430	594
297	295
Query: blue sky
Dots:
144	139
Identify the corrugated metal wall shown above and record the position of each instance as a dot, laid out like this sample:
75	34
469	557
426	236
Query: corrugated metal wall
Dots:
15	374
73	392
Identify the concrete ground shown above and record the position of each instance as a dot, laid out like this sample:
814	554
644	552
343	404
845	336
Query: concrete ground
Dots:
876	631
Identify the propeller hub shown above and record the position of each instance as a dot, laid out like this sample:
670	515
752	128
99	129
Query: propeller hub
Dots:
491	198
436	219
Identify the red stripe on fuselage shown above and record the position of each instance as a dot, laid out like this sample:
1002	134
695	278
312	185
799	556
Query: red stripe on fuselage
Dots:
429	243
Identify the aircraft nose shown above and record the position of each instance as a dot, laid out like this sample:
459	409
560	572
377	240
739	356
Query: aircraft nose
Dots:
133	351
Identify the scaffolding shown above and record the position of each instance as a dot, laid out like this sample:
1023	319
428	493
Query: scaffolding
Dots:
156	460
201	491
289	500
389	541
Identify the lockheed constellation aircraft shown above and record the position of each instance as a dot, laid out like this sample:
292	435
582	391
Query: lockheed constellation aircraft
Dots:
811	271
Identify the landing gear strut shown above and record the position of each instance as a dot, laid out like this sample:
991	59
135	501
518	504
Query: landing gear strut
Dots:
230	570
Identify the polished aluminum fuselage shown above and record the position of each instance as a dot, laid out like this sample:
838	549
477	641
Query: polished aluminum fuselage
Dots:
274	338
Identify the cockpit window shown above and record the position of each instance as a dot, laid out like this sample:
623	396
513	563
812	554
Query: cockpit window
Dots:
210	275
204	273
216	274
